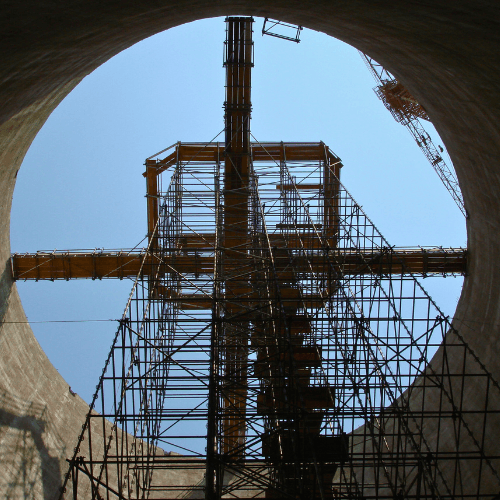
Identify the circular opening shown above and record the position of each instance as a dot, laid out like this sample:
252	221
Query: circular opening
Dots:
81	185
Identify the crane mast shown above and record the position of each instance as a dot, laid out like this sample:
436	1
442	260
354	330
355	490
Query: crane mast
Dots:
406	110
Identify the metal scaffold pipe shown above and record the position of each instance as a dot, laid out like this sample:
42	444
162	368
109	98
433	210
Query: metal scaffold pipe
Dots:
238	63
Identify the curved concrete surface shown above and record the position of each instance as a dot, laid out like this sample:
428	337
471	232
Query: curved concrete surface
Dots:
446	51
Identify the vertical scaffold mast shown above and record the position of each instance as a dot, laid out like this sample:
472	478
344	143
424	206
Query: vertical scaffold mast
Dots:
237	267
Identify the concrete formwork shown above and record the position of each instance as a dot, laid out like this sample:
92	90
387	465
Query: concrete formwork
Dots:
446	51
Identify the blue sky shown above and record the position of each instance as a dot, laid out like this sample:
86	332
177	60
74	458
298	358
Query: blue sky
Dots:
81	184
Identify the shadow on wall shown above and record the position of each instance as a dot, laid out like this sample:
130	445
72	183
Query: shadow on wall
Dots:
6	283
30	451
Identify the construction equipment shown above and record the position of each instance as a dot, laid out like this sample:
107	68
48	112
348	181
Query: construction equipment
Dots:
280	29
406	110
120	264
273	341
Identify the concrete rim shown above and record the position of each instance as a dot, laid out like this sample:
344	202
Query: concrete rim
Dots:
445	51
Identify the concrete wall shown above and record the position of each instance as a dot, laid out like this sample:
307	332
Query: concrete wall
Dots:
446	51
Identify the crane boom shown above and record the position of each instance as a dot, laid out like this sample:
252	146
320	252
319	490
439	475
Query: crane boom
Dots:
406	110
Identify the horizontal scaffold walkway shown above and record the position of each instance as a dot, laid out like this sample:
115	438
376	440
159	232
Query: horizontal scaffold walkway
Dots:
194	257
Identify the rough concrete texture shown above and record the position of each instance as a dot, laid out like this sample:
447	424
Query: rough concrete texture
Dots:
446	51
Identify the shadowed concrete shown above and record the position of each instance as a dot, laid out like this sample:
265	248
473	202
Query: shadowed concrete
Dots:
446	51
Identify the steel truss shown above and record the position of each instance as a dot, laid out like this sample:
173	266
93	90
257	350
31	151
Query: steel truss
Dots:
405	109
273	373
280	29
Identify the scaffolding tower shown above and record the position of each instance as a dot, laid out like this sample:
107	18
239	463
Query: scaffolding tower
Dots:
275	343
